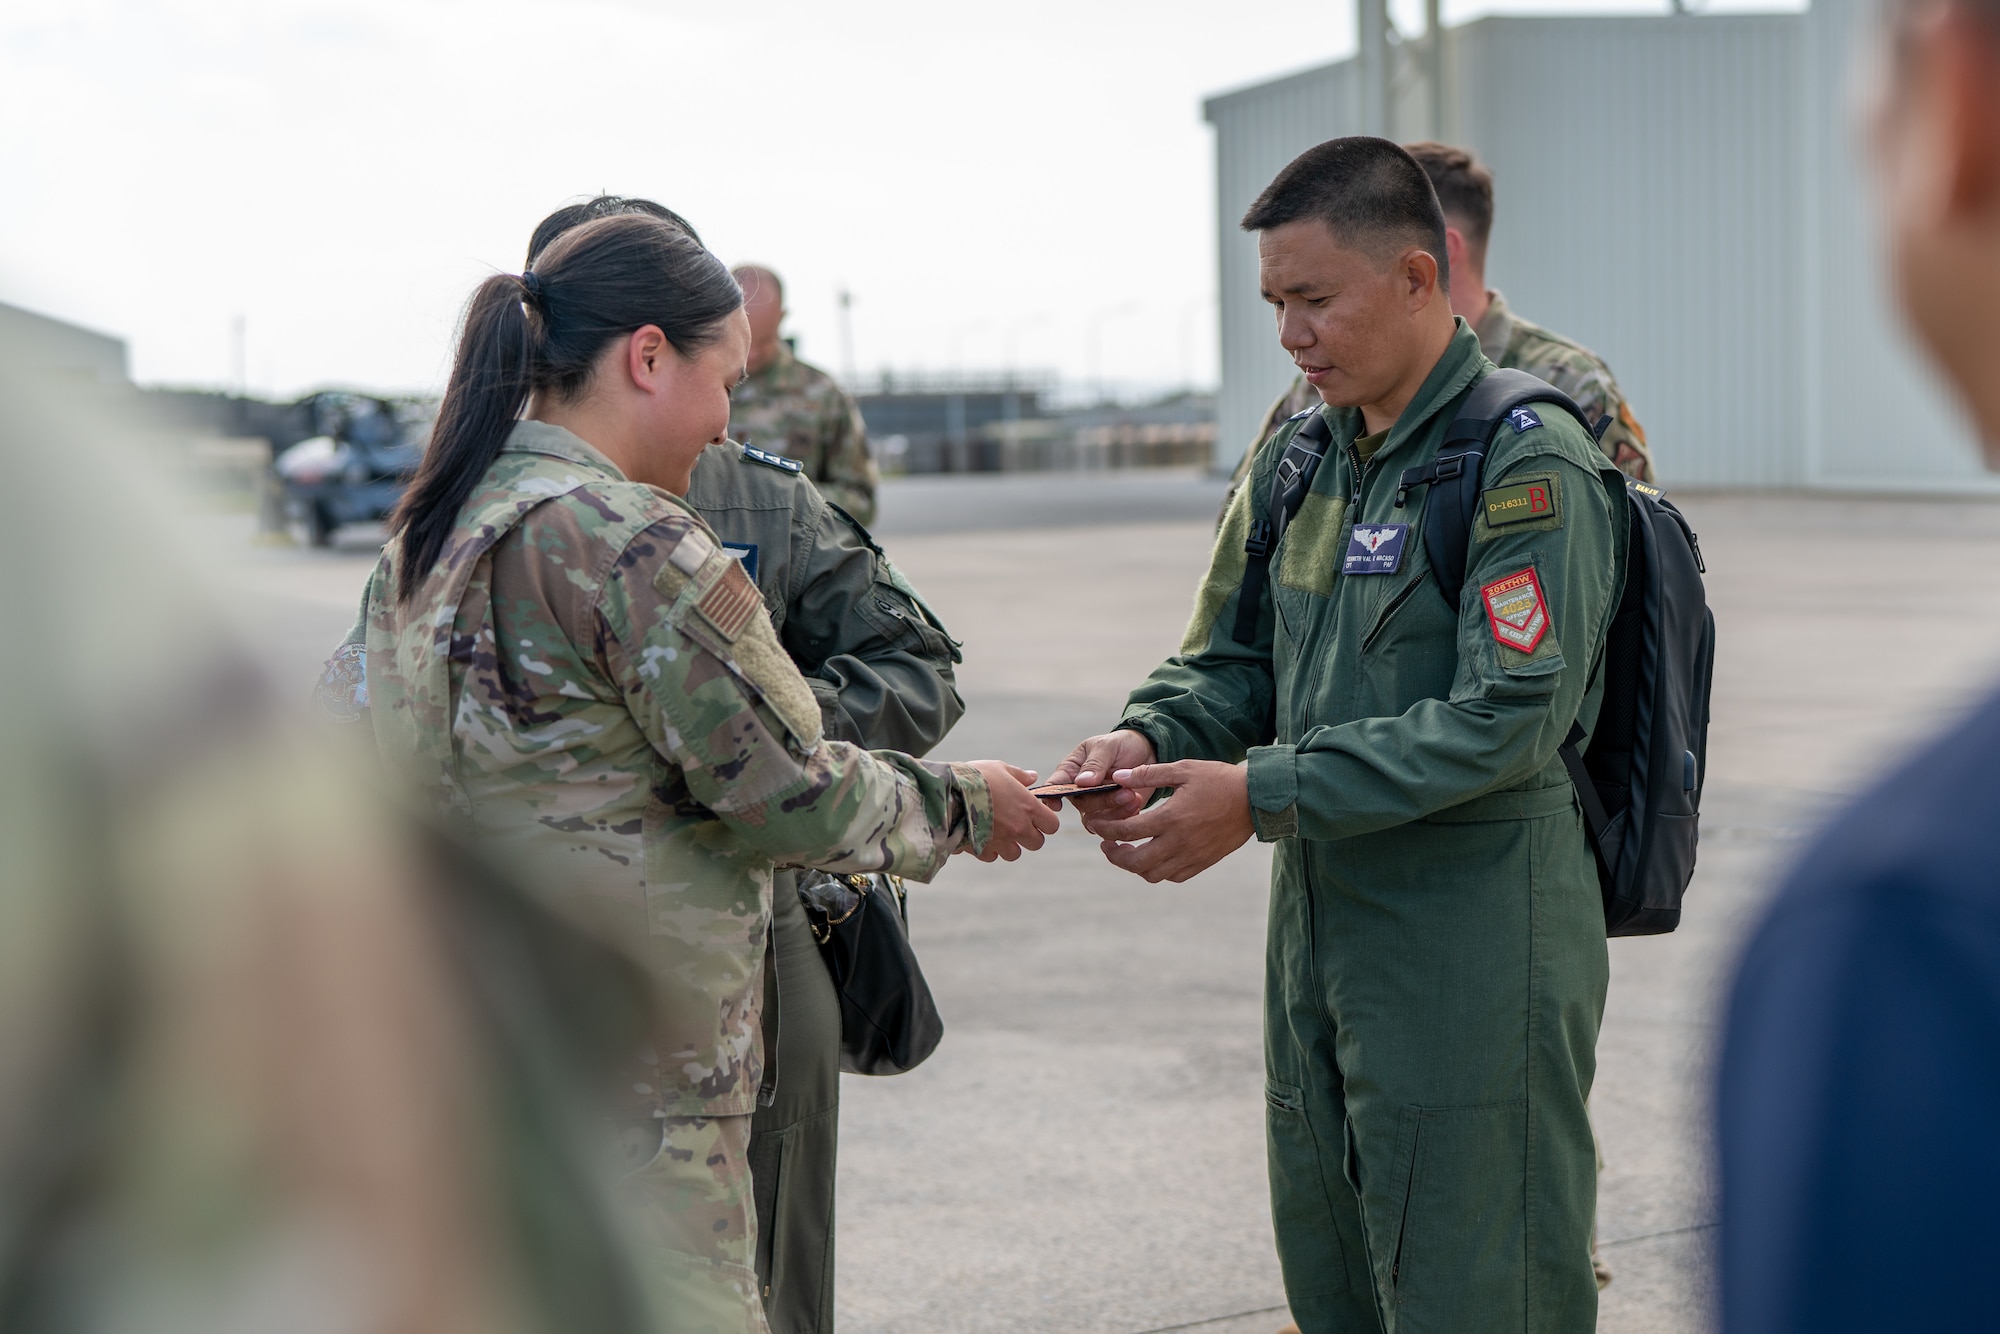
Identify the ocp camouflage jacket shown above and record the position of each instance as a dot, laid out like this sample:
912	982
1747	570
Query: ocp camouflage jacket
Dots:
590	682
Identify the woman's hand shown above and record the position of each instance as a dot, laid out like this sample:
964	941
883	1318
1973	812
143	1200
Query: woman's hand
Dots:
1020	821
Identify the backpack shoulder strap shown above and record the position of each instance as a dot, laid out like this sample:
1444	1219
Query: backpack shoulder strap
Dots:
1453	477
1304	452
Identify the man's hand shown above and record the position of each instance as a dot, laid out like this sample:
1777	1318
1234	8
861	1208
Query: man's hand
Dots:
1094	761
1020	822
1205	819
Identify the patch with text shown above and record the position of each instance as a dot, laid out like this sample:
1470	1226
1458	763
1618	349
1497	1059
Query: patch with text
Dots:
1517	610
1520	502
1523	419
1375	548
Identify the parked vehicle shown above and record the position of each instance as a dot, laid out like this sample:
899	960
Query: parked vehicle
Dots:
354	464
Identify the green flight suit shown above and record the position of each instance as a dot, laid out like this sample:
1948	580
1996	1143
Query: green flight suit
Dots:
880	664
1436	963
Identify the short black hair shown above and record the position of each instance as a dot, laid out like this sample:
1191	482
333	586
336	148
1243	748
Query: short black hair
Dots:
1369	192
1464	187
603	206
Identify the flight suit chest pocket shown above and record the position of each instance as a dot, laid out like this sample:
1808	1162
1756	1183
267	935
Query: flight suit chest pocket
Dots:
1307	561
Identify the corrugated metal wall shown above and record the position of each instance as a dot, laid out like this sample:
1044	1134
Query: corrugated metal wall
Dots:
1257	131
1676	193
1646	175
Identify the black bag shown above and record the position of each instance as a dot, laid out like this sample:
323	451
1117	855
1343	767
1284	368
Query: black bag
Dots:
1639	783
888	1020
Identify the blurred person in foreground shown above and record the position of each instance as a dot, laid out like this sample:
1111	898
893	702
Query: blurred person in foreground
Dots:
881	666
1464	188
794	409
563	658
269	1058
1861	1060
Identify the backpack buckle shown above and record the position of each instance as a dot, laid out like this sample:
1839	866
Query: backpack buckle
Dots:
1258	544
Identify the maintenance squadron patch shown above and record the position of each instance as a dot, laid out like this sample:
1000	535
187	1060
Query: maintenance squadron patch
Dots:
1517	610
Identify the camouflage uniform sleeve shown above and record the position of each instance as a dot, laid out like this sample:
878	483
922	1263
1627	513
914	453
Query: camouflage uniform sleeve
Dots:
687	639
1591	385
1288	405
850	476
341	693
878	660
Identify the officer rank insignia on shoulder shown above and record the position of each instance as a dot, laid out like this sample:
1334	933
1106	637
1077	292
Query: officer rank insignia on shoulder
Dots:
770	460
1517	610
1523	419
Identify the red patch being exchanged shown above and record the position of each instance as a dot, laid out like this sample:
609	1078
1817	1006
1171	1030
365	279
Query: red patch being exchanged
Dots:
1517	610
730	604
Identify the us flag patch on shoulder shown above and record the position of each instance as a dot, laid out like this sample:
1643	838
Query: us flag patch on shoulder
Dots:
1517	610
730	604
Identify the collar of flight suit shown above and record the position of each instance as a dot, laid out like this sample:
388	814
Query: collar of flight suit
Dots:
1495	327
1456	368
533	437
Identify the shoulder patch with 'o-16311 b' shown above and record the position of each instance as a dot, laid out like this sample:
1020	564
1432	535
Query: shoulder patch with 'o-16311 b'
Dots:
1521	502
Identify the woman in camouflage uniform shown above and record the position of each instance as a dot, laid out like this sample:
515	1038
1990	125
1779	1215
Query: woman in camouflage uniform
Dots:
563	656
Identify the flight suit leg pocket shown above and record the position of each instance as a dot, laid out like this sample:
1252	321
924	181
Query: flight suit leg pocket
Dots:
1302	1210
1459	1265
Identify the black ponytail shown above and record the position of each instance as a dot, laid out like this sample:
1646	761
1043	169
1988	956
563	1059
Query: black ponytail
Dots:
593	285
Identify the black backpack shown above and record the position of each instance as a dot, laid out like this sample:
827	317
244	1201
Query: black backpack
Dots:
1639	783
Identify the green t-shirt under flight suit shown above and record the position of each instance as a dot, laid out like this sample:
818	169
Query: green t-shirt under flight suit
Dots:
1436	963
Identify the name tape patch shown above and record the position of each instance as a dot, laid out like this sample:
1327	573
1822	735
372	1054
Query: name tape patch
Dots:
1520	502
1523	419
770	460
1375	548
746	552
1517	610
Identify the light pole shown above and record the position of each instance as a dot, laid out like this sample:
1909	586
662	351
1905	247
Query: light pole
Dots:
846	299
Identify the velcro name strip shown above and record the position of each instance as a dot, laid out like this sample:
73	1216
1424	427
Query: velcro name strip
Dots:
1517	610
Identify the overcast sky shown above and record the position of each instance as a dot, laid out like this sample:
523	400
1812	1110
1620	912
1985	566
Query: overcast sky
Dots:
991	182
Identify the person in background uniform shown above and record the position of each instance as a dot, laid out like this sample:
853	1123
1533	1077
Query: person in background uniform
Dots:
1860	1063
1465	190
788	407
564	659
1436	964
273	1058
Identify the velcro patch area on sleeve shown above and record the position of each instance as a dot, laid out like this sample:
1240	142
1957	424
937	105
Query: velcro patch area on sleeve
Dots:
1517	610
730	603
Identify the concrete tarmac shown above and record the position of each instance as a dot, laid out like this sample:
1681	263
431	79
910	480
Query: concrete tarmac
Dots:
1085	1151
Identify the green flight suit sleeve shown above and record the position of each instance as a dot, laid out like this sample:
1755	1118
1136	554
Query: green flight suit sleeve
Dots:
1216	698
878	660
708	683
1509	709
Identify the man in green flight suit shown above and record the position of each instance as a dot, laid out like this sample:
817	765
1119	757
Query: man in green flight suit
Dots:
1436	962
